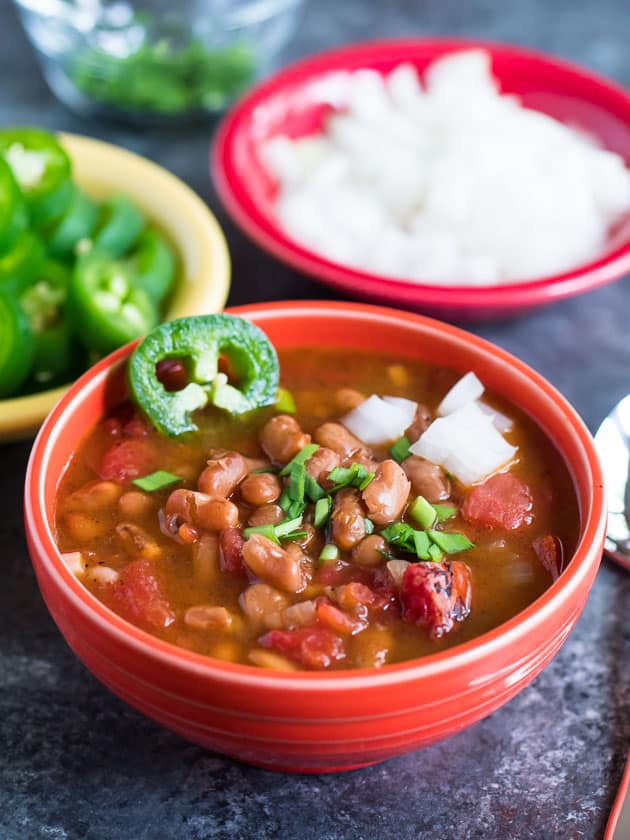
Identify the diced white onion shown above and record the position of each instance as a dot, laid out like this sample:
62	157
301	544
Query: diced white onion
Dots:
408	406
466	443
465	390
503	423
102	574
376	421
75	562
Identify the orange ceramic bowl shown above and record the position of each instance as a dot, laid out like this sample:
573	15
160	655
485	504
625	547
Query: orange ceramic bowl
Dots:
314	722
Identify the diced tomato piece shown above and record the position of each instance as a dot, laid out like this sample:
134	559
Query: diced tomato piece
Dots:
338	620
336	574
137	597
549	551
127	459
172	374
231	553
314	647
356	594
503	501
436	595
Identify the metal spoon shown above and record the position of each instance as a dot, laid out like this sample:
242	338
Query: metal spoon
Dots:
612	441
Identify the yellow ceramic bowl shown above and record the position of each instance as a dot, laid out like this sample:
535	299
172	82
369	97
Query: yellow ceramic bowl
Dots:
203	262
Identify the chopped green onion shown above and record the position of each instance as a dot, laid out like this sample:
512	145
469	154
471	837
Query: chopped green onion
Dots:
295	535
450	543
297	483
328	553
387	555
268	531
423	512
355	475
287	526
422	544
369	526
323	508
434	553
312	489
156	481
285	402
291	508
400	534
444	512
400	449
261	470
363	484
301	458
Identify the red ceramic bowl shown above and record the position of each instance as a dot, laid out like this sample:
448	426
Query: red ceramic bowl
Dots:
313	722
290	103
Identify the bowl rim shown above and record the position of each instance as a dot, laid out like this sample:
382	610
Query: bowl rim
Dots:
146	645
269	234
19	416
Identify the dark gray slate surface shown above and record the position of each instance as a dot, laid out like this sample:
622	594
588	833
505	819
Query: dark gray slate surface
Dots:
77	763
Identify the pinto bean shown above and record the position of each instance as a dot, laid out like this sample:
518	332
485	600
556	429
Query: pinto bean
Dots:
83	528
348	519
222	475
137	542
266	515
94	496
421	422
273	564
260	489
205	559
321	463
282	438
202	510
348	398
299	615
263	605
386	494
366	553
336	437
207	617
135	505
268	659
426	479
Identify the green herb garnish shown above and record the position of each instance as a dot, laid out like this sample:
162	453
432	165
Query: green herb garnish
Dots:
369	526
450	543
400	449
444	512
312	489
323	509
328	553
355	475
268	531
156	481
423	512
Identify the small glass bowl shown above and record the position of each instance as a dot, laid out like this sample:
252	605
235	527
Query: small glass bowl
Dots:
153	61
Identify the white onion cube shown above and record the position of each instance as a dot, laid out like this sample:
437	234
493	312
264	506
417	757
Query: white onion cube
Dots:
376	421
466	390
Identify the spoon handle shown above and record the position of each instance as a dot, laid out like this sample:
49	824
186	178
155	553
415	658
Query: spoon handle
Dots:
618	825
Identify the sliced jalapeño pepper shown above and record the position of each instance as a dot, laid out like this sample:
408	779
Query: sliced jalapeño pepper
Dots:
118	227
77	223
42	169
103	306
20	265
44	304
17	344
153	265
13	215
199	342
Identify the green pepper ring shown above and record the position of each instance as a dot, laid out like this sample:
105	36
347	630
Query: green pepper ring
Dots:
13	215
78	222
17	344
201	339
20	266
49	200
119	226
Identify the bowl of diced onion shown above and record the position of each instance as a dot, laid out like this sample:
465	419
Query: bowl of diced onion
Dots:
465	179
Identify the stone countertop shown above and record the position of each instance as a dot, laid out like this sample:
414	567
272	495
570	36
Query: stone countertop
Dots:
77	763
